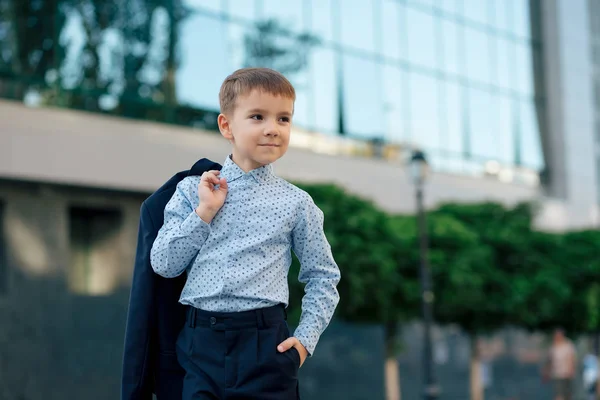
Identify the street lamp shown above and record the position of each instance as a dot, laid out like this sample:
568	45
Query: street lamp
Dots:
419	170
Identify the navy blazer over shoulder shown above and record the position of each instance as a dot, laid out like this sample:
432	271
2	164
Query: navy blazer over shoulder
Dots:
155	316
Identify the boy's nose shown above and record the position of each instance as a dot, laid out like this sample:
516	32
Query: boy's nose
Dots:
271	130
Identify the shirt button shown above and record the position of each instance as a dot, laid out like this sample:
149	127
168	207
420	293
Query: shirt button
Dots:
213	320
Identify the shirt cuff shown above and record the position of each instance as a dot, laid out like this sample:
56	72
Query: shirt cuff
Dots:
194	226
308	337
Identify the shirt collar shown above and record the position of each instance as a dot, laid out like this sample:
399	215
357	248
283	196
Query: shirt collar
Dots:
231	171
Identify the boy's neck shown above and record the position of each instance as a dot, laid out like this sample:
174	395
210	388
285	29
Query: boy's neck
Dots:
246	167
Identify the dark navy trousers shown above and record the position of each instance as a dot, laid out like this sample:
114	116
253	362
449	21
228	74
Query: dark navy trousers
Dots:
233	356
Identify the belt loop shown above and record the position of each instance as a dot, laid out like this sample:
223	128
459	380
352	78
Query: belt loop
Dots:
193	317
285	313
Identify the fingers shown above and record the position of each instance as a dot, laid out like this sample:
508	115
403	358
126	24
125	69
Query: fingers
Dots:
287	344
223	184
211	177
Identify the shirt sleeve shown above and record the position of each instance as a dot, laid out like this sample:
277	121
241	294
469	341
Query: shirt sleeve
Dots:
318	271
182	235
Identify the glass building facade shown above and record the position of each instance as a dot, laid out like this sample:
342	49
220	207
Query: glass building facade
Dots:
594	21
456	78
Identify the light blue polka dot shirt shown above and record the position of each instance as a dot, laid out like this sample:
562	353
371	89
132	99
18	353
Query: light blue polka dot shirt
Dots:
240	261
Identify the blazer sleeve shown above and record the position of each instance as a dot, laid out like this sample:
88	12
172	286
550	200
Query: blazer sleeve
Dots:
137	374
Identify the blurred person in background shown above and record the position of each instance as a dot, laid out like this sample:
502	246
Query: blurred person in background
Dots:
561	366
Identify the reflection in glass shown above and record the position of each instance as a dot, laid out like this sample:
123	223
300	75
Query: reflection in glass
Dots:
356	19
324	102
394	98
421	38
267	45
478	56
322	19
243	9
504	122
291	16
524	68
503	14
451	63
483	142
477	11
209	5
390	20
425	119
204	62
521	18
363	111
505	62
236	36
530	144
451	6
453	128
429	3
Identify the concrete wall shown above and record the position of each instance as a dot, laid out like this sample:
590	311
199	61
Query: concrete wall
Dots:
57	342
96	151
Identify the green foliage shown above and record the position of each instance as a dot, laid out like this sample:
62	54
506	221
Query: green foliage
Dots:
489	266
359	235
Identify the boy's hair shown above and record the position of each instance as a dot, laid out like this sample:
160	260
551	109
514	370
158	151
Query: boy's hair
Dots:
244	80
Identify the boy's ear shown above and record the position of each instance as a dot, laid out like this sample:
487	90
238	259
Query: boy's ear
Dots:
224	127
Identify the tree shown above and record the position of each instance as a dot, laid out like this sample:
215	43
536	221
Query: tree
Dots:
28	43
580	269
371	289
123	62
474	287
271	46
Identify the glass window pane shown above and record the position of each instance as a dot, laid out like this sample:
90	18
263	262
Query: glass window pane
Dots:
425	120
357	24
291	16
200	73
209	5
503	14
452	6
300	80
503	120
430	3
363	111
322	19
236	39
325	103
477	11
531	149
478	56
390	19
243	9
421	38
451	63
504	62
454	137
524	68
394	97
521	24
481	136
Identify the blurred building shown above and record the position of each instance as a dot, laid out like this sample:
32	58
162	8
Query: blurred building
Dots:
104	101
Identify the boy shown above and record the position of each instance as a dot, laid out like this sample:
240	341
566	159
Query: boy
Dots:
232	231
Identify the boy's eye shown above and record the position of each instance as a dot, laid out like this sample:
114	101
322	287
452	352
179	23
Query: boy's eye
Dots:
257	117
285	119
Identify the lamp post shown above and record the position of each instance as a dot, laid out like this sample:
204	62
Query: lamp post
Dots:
419	170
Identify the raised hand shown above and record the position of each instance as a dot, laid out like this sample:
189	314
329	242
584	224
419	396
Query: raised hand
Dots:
212	191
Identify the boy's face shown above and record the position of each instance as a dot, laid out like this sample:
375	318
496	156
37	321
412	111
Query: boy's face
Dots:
258	128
